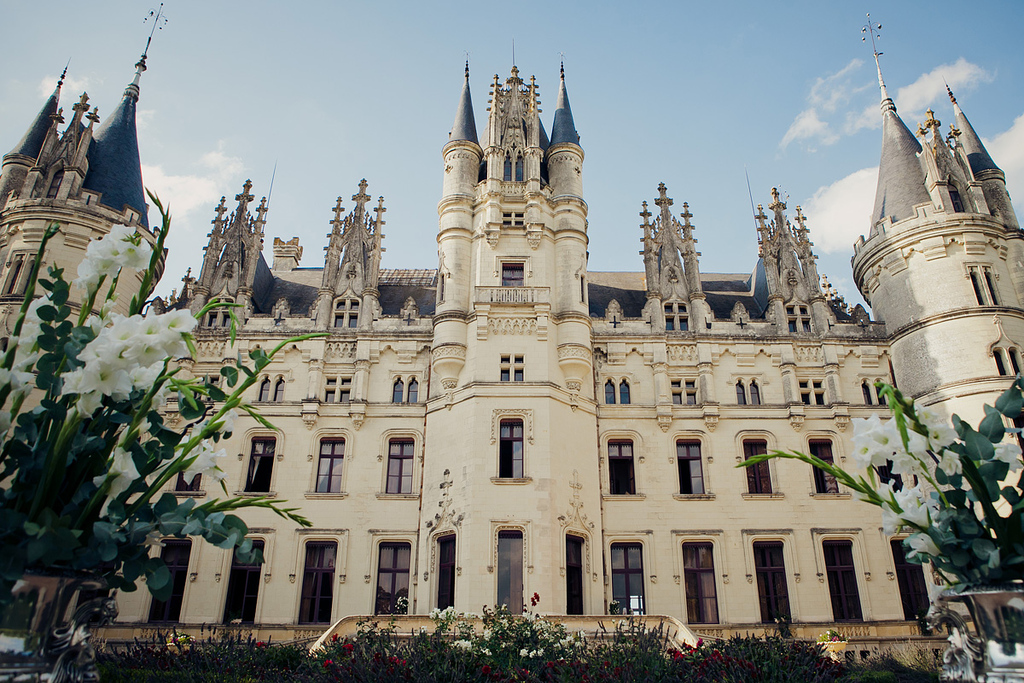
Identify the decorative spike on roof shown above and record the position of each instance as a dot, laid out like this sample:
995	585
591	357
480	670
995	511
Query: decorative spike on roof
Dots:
977	156
464	127
32	142
115	169
563	129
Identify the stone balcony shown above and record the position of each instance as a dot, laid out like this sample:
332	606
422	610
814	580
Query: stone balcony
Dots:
512	295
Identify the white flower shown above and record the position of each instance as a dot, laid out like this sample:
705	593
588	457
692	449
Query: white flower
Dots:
524	652
940	432
5	421
228	421
873	443
1010	454
463	644
205	463
121	473
916	510
949	462
106	256
922	544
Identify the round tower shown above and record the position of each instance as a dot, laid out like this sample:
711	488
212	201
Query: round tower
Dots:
937	265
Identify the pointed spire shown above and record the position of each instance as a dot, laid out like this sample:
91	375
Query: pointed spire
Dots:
115	169
900	176
32	142
977	155
563	129
464	127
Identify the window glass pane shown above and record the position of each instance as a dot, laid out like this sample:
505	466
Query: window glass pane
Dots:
510	570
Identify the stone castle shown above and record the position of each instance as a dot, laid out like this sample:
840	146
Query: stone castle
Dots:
505	422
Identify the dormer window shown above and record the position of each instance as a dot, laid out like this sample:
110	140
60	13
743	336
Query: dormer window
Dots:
955	200
798	318
346	313
512	219
676	317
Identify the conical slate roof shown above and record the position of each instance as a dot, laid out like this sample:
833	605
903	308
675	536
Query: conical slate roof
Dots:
464	127
900	176
977	155
563	129
32	142
114	166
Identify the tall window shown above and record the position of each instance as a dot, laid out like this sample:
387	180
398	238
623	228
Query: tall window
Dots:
175	555
823	481
772	590
261	465
17	280
620	468
414	391
983	282
510	570
337	390
398	391
691	479
346	313
400	466
392	577
445	572
510	450
699	575
194	484
243	590
676	317
512	368
759	478
279	391
910	577
318	582
331	466
755	393
741	394
609	392
955	200
812	392
624	392
865	390
264	390
513	274
677	391
798	318
573	575
519	169
628	577
842	580
690	392
507	175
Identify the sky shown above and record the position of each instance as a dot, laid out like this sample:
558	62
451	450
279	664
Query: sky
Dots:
698	95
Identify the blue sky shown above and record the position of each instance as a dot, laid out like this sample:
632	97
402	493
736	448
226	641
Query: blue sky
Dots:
685	93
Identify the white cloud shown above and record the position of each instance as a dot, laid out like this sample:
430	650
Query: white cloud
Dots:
1007	150
71	85
808	126
185	193
912	100
839	213
826	95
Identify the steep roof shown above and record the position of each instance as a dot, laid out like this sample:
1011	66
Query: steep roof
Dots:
563	129
32	142
900	176
977	155
115	169
464	127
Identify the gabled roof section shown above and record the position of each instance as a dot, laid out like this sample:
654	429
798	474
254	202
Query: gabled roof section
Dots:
563	129
115	169
464	127
32	142
977	155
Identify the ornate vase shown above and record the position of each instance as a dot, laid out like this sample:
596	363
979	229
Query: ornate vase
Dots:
835	648
995	654
44	632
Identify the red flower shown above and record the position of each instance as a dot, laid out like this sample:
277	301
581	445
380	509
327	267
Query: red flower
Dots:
334	638
485	670
260	643
327	663
348	647
535	599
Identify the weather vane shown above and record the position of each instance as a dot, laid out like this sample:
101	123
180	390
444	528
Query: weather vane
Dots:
159	21
871	29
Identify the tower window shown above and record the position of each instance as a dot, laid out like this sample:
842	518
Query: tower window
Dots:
512	219
676	317
346	313
823	481
620	468
691	479
983	282
759	480
507	174
175	555
264	390
512	274
51	192
510	450
798	318
512	368
812	392
414	391
741	394
398	391
519	169
690	391
955	200
624	392
755	393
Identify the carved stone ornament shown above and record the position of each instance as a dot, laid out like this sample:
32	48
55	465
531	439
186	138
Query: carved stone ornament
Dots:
498	413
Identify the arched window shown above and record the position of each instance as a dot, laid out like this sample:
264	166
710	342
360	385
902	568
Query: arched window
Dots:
624	393
865	389
507	175
755	393
264	390
279	391
398	392
414	390
955	200
741	395
609	392
519	169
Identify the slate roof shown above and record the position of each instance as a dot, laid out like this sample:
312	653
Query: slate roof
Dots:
114	167
900	176
977	155
563	129
32	142
464	127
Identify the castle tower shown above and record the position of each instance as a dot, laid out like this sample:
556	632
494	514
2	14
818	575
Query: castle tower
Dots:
939	265
88	178
513	479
